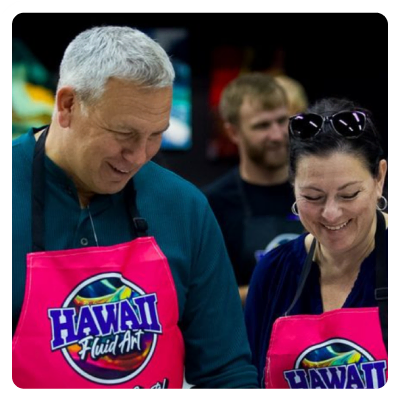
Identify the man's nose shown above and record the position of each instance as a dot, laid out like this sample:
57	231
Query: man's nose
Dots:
278	132
136	153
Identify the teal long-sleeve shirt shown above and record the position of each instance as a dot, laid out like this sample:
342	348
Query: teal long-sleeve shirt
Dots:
179	217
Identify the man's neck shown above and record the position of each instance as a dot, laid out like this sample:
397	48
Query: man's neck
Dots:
54	151
255	174
54	146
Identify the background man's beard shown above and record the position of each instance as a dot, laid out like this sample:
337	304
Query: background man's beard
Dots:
260	157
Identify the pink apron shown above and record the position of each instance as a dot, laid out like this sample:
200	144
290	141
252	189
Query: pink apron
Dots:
99	317
343	348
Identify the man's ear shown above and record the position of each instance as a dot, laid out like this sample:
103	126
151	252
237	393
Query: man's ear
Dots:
232	132
66	101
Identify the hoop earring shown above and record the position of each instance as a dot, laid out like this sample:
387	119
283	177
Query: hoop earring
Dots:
384	206
294	209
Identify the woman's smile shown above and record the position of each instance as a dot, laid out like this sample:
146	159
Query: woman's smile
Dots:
337	227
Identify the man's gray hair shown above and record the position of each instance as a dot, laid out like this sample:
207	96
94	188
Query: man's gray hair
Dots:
100	53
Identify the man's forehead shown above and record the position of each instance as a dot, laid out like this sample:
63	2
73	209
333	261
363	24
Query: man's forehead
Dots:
252	106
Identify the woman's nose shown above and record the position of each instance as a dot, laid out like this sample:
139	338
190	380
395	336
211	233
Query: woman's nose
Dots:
332	212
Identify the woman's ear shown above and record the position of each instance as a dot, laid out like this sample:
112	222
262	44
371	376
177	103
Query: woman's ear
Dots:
381	177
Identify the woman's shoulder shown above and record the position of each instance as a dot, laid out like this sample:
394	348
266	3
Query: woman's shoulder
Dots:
274	280
279	260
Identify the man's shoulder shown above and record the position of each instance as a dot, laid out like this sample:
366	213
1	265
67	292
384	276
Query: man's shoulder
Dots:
159	179
25	142
21	141
223	186
22	151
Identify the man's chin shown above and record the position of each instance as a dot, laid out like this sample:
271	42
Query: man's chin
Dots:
270	160
112	188
273	166
275	161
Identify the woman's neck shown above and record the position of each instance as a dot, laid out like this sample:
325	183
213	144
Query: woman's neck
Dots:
342	264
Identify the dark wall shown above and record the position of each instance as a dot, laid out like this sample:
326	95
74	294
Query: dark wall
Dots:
330	54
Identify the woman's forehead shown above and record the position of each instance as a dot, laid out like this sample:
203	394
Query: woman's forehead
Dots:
331	167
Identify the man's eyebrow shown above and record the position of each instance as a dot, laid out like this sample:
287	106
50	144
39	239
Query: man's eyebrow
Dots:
164	129
262	122
135	131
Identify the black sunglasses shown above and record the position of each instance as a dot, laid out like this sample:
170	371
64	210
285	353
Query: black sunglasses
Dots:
349	124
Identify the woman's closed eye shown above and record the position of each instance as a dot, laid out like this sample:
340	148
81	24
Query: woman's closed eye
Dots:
350	196
313	198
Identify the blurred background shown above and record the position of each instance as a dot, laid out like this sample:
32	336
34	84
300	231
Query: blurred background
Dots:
333	54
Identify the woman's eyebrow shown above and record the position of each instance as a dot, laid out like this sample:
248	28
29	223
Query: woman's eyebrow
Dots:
338	189
312	187
348	184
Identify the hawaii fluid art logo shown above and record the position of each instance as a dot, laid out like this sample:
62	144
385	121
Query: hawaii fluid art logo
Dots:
107	329
337	363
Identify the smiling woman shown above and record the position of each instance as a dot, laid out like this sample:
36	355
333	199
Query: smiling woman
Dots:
336	198
329	277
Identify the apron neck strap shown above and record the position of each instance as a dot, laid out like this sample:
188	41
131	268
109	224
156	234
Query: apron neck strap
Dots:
139	224
304	275
38	194
241	191
381	259
381	291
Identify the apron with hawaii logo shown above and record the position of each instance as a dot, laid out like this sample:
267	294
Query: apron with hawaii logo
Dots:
99	317
342	348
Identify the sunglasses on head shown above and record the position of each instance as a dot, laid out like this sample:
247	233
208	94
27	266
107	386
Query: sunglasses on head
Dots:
349	124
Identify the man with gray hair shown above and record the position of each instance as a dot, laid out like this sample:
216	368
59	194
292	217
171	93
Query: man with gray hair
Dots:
120	274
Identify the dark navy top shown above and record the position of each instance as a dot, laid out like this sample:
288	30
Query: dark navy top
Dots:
228	205
273	287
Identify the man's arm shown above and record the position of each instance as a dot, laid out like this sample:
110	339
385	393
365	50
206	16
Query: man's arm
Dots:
217	348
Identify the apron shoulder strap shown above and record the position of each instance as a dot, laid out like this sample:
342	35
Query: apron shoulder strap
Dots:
241	192
381	291
38	194
140	225
304	275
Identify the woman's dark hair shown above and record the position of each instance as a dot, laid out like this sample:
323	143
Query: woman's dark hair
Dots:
367	146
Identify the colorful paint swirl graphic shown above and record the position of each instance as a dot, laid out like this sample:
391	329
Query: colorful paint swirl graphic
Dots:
109	366
335	354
